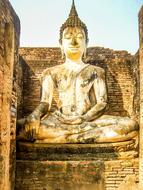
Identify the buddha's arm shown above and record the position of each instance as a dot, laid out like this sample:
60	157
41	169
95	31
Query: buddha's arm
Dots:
101	97
46	99
47	90
39	111
32	122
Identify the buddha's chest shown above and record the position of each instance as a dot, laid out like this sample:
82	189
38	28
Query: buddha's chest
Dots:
75	81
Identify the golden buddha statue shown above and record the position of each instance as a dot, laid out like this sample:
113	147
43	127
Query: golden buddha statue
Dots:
82	98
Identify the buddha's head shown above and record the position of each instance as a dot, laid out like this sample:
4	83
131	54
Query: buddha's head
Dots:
73	36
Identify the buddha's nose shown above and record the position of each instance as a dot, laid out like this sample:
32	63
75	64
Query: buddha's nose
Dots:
74	42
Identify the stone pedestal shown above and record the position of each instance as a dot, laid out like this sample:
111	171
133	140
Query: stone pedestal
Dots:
59	175
68	152
75	166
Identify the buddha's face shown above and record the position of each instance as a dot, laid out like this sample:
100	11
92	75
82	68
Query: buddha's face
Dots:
73	42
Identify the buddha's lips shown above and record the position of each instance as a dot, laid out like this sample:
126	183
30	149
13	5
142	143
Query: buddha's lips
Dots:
74	47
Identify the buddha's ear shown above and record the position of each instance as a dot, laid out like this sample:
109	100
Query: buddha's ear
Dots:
62	51
84	54
85	50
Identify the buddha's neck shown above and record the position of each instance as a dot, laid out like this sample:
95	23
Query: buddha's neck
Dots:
70	63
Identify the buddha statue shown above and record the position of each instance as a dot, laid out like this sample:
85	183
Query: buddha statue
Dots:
82	98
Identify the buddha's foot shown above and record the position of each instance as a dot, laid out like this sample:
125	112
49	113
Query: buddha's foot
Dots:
101	136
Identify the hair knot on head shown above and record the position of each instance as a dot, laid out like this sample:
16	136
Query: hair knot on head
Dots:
73	21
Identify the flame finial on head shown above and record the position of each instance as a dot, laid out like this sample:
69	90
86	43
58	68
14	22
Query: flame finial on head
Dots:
73	21
73	12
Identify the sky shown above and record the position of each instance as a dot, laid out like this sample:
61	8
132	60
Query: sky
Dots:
111	23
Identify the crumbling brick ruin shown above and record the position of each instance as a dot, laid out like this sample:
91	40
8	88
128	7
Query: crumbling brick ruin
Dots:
20	70
9	61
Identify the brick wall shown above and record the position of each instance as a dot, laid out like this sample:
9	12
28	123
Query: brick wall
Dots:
118	172
72	174
9	42
141	94
60	175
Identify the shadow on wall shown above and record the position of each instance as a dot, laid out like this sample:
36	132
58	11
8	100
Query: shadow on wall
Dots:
31	89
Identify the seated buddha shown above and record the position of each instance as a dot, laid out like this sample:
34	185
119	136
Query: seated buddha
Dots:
82	98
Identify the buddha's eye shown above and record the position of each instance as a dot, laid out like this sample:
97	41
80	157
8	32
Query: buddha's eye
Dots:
67	36
80	35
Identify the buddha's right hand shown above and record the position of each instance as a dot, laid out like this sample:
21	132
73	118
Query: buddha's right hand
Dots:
31	128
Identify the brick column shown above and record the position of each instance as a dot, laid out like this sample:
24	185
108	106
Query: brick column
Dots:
9	43
5	122
141	98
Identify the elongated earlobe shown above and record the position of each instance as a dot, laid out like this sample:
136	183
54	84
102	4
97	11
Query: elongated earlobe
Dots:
62	51
63	54
84	54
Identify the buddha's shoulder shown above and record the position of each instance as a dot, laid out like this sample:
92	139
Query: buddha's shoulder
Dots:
96	69
53	70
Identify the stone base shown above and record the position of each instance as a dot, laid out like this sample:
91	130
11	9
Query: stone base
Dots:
75	166
59	175
102	151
